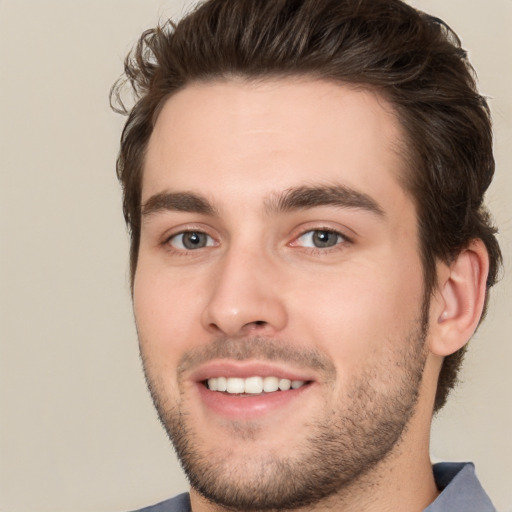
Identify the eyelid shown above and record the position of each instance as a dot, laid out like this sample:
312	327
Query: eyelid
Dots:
177	236
309	227
188	228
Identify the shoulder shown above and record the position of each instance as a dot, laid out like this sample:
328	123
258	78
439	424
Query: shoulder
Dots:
180	503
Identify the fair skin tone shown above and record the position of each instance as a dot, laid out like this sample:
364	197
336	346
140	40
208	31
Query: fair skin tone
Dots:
274	218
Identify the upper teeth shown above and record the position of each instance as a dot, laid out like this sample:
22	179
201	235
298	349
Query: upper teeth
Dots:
252	385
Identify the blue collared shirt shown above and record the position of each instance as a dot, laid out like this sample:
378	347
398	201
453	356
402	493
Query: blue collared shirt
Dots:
460	489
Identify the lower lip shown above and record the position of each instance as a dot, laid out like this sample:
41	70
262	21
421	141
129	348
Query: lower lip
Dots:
248	407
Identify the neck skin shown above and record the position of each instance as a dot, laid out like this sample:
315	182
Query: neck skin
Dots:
402	482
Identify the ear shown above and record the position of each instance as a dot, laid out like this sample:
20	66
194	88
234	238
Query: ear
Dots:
457	305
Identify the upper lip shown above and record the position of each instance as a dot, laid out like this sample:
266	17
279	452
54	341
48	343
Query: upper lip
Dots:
246	369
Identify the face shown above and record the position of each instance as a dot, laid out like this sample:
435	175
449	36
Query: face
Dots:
278	293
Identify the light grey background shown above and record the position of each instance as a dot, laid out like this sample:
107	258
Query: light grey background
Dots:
77	429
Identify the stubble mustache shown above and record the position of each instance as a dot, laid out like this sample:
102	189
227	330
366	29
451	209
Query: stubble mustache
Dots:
258	348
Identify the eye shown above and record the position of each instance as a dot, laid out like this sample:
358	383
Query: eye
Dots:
320	239
191	240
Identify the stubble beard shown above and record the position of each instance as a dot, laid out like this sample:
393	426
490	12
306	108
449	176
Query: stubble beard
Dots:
341	448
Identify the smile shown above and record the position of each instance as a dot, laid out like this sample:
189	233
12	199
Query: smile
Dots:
250	390
252	385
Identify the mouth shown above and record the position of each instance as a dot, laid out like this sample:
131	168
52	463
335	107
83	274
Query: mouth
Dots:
252	386
247	390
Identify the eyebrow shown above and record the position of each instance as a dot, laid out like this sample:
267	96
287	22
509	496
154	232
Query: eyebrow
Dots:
297	198
177	201
305	197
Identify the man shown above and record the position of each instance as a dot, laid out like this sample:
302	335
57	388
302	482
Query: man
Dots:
310	254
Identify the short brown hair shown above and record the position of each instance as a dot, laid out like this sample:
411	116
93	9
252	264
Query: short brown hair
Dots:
414	60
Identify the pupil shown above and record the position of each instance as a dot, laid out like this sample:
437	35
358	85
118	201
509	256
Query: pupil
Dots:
194	240
324	238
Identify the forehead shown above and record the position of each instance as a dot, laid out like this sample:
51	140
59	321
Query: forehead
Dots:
230	137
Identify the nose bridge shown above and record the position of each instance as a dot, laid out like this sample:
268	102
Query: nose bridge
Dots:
245	293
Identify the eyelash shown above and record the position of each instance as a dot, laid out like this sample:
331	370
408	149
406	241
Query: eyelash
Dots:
184	250
341	241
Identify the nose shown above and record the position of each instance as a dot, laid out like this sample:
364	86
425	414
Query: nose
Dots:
246	296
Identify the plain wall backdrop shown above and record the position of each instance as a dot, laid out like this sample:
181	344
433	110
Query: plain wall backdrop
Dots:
77	429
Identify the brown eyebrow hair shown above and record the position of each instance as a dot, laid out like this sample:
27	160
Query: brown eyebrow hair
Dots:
297	198
324	195
177	201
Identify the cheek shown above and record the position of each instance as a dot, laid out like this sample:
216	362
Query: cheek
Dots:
167	316
359	312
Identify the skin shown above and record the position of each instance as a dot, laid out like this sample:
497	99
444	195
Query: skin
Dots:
259	281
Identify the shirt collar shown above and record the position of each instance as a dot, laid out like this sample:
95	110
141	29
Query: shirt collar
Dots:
460	489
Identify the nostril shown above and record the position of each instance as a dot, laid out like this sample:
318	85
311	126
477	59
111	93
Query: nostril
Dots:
256	324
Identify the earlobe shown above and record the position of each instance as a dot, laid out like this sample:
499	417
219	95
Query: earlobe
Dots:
457	306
